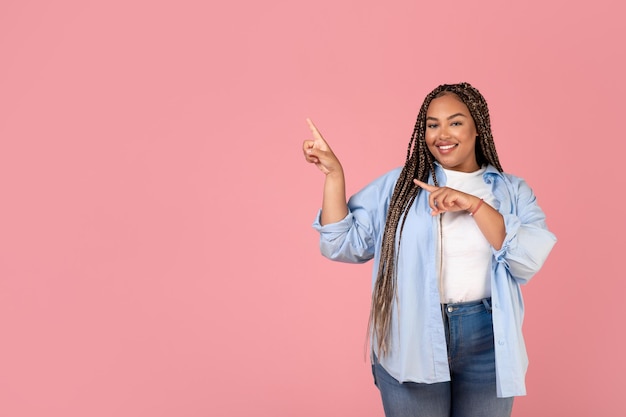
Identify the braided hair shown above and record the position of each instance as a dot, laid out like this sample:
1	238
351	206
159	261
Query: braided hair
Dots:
419	164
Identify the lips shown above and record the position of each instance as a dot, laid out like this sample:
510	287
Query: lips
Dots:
445	149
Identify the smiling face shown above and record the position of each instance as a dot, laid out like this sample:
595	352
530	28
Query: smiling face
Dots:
451	133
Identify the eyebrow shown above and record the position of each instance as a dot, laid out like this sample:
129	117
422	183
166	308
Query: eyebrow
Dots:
448	118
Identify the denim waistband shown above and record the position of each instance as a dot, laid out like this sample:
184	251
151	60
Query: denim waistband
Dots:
467	306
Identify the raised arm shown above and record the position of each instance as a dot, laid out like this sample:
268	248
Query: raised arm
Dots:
317	151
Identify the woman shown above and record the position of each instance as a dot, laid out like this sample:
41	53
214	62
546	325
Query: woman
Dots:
452	237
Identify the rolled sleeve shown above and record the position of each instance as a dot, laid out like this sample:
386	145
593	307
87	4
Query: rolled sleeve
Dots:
354	238
345	240
528	241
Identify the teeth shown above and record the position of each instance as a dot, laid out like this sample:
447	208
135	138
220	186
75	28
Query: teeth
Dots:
446	147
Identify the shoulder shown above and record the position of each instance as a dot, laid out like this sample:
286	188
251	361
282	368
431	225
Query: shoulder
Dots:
509	187
510	180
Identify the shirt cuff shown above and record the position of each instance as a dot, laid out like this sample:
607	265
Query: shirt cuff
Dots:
511	225
341	226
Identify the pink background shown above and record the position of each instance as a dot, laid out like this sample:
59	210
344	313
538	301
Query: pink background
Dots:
156	250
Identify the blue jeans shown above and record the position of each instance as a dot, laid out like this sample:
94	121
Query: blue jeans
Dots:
472	389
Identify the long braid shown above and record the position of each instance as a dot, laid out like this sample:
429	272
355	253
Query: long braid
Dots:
419	164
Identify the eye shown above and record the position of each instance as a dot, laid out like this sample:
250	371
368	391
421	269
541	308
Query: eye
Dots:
456	124
431	125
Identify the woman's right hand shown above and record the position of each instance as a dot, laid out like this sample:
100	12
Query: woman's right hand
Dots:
317	151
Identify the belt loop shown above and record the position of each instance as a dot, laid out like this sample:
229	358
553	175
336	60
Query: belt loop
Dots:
487	304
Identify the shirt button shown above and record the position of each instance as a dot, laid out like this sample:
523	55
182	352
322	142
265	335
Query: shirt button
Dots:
501	342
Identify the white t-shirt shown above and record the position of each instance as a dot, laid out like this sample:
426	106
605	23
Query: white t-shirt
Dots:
465	252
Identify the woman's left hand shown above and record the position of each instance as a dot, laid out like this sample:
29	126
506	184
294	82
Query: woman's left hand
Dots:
442	199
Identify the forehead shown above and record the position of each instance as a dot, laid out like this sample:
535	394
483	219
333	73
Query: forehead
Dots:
447	104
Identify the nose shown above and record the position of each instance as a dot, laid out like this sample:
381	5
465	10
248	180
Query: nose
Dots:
443	133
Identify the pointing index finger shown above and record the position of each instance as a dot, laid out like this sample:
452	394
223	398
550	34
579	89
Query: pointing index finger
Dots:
427	187
316	133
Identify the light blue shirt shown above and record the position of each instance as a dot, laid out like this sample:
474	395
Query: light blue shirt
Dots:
418	351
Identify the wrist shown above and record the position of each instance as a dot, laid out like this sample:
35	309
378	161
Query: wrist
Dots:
475	207
336	173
